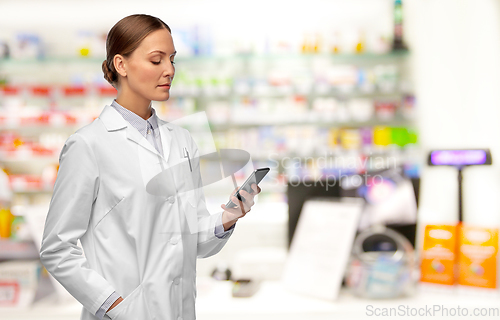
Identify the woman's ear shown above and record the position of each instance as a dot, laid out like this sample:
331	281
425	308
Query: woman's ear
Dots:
119	62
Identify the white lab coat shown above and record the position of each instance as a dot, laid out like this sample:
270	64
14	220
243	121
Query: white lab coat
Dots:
140	245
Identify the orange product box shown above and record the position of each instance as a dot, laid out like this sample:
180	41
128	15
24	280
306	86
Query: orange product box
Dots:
438	256
107	91
41	90
72	90
478	257
11	90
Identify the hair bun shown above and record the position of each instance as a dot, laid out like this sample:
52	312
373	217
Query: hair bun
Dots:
109	75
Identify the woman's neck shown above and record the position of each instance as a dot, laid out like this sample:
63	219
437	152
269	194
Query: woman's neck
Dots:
137	105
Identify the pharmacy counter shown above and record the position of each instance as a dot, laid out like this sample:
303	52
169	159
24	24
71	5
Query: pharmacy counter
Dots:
273	301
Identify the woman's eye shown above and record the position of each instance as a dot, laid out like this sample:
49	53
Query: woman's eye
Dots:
156	62
173	62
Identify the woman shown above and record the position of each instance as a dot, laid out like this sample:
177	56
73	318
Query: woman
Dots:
140	248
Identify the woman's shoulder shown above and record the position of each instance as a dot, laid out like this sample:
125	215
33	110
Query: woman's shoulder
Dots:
91	132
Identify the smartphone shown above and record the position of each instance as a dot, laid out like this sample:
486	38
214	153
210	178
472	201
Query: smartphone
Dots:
255	177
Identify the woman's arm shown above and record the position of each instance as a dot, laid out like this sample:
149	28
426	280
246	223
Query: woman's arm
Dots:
208	243
75	189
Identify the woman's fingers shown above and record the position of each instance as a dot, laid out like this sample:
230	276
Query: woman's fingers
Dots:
236	201
242	208
248	198
239	203
256	189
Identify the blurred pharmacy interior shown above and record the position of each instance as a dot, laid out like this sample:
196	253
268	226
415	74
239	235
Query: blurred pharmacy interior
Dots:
379	120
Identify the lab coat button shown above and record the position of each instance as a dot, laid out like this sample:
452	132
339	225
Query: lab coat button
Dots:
175	240
176	281
171	199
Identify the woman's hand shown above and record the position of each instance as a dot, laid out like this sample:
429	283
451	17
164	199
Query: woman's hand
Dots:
230	215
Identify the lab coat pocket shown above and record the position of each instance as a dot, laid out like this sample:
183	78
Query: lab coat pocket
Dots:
111	209
133	307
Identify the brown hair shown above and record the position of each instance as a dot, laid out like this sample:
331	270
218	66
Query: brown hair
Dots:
124	37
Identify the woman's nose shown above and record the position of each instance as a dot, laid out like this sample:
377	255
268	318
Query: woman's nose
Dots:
169	70
169	75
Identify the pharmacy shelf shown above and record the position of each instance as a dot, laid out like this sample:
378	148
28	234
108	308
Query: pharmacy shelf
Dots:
224	126
370	57
27	158
284	92
305	118
33	190
180	91
18	250
199	84
400	122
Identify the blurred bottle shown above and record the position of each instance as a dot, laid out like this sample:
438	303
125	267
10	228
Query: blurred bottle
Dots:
360	45
335	47
4	50
19	229
6	219
195	40
305	45
84	38
398	43
317	44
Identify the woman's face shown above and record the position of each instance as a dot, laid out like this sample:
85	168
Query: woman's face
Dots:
151	65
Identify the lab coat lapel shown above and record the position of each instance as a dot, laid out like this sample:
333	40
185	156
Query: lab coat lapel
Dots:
138	138
113	121
166	132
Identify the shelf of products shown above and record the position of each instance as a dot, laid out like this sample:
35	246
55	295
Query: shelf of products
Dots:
337	57
306	116
339	100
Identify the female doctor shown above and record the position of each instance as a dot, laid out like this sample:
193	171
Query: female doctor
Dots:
140	248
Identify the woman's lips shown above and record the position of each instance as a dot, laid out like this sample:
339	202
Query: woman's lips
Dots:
164	86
